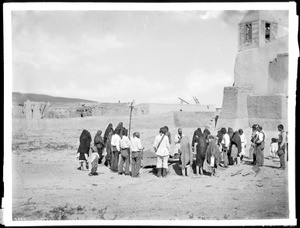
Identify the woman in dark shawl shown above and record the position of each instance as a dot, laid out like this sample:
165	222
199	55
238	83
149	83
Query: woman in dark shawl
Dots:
99	144
212	154
200	153
186	156
119	129
219	143
206	133
84	147
230	133
196	135
108	129
235	147
108	148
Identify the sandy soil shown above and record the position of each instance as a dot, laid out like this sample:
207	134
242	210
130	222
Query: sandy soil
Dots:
48	186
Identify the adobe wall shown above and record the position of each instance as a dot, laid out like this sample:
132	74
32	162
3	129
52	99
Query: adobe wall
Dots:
278	75
194	119
234	111
165	108
268	111
252	65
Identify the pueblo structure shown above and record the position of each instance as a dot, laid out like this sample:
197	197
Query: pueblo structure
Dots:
260	89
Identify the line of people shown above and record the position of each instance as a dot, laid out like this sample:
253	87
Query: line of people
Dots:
228	147
120	151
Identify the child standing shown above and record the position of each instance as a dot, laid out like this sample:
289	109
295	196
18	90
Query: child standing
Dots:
94	161
273	147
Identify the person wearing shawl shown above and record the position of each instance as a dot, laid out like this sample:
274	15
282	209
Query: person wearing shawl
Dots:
259	146
196	135
201	145
219	143
119	129
206	133
235	148
99	144
94	161
109	128
254	137
225	146
108	147
83	149
212	154
186	156
230	133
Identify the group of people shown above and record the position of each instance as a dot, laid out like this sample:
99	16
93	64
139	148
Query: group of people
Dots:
226	148
121	152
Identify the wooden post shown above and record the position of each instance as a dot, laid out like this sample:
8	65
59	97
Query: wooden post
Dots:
131	108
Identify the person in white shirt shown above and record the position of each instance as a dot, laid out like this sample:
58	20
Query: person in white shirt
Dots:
243	143
161	147
125	153
225	146
177	140
136	154
115	143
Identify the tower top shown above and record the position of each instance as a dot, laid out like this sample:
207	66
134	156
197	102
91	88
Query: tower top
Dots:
255	15
257	28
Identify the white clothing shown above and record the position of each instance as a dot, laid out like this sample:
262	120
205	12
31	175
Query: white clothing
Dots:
136	144
125	142
226	140
212	161
273	149
177	139
162	161
164	146
260	137
243	144
94	156
115	141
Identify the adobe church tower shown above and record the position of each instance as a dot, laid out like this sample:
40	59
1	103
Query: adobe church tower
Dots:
259	94
256	29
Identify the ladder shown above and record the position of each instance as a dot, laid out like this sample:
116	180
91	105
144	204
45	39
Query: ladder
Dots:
196	100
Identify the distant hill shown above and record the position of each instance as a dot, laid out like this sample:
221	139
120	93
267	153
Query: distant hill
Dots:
20	98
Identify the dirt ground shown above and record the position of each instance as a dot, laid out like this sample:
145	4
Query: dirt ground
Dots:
48	186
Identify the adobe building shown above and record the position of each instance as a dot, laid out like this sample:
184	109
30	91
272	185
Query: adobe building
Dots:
260	90
152	108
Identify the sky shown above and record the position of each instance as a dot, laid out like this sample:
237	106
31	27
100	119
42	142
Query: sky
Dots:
111	56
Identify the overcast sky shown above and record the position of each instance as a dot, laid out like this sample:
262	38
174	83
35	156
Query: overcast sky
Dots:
107	56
